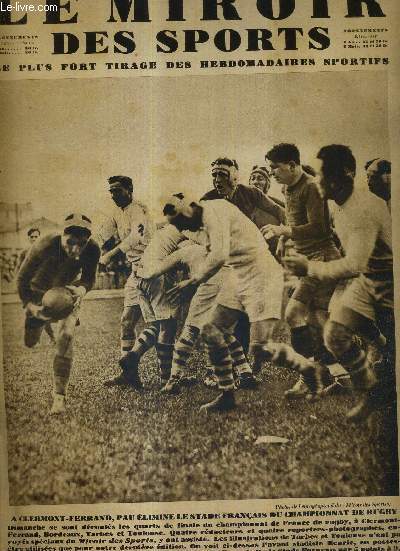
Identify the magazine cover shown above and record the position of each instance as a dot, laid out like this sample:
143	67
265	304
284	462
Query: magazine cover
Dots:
197	275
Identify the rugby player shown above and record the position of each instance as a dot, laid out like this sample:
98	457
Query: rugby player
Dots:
160	314
379	176
56	261
33	236
232	240
193	255
308	226
131	223
366	306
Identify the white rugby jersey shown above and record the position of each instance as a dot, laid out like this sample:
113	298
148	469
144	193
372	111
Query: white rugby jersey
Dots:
363	225
164	242
232	237
134	228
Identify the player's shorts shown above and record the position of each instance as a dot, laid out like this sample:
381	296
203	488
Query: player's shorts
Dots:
153	300
312	291
131	294
255	288
363	295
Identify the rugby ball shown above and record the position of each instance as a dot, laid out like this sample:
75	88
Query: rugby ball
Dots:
57	303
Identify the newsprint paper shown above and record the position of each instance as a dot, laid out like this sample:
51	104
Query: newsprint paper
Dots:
117	117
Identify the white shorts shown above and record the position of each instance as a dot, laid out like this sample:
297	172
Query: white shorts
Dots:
256	288
153	299
206	299
363	295
131	294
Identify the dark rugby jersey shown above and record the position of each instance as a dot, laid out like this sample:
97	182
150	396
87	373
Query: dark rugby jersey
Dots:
47	265
308	216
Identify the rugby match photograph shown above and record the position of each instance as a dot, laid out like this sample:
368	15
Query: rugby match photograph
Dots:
197	288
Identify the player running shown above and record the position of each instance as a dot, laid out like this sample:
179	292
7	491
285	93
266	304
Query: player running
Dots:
131	223
66	260
158	312
192	255
364	229
308	226
235	242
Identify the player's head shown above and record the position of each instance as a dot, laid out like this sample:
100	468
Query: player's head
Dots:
182	213
225	174
337	171
121	190
33	234
379	176
284	161
260	178
77	231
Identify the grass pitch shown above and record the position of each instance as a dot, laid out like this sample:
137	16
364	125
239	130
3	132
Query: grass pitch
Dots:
116	445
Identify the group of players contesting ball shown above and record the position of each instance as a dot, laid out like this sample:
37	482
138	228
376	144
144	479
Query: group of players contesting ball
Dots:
226	255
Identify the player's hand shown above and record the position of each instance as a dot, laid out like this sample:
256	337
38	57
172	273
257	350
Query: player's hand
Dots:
77	292
105	258
270	230
280	249
35	311
177	292
296	263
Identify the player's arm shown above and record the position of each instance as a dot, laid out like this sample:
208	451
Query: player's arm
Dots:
106	232
141	231
359	248
268	205
35	256
316	216
89	266
219	246
163	266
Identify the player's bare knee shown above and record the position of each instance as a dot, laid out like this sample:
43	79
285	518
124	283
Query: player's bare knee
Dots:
212	336
295	313
167	330
63	342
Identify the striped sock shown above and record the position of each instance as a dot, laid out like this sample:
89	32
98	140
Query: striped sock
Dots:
239	361
146	339
354	360
164	354
183	349
222	363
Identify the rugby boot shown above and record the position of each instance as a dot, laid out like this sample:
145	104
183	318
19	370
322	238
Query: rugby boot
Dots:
223	402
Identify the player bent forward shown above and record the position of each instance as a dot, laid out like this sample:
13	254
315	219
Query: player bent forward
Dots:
363	226
232	241
56	261
201	306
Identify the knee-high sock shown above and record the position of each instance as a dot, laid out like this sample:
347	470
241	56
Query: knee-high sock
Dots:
164	355
183	349
302	340
61	373
146	339
222	364
239	361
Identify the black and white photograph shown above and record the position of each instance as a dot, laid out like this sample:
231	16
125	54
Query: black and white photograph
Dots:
197	288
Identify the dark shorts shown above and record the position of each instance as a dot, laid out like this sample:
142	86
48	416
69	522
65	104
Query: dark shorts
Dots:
313	292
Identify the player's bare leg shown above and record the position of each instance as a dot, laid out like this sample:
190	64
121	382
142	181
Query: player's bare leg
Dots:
62	362
301	338
129	319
